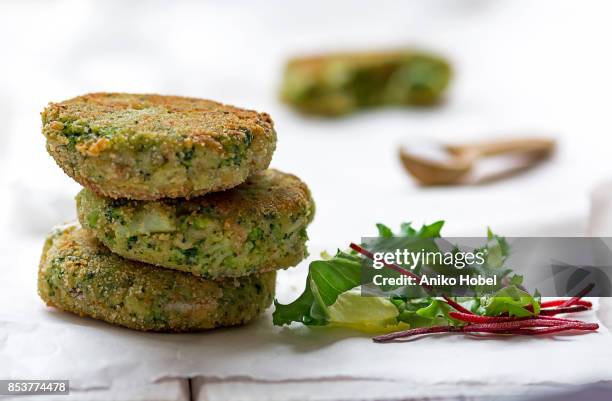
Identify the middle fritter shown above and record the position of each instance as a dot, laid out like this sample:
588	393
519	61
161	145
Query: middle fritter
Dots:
255	227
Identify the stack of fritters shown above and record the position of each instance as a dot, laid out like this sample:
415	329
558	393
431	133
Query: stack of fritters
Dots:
183	226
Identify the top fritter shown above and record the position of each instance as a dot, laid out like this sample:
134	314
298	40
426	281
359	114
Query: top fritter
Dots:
149	147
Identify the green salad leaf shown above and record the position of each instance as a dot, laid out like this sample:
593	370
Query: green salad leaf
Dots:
368	314
332	295
511	300
327	279
423	312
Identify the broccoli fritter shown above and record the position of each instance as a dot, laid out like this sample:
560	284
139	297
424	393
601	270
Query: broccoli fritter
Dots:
149	147
255	227
80	275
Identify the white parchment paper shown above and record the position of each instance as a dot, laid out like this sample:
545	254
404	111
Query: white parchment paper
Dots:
37	341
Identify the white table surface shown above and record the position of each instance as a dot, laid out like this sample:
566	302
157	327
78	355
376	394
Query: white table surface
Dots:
521	67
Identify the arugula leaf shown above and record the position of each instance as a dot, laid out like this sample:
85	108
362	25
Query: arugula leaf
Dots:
326	280
426	231
435	309
505	247
423	312
297	311
384	231
431	231
407	230
511	300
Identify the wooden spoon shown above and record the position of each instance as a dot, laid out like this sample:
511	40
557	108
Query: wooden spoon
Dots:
459	160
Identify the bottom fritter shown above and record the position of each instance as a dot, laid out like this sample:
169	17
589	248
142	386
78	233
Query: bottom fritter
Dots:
80	275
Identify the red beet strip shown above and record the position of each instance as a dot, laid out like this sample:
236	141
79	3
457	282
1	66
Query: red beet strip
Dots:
559	302
541	330
521	324
534	326
554	329
416	332
458	307
568	309
561	319
581	294
471	318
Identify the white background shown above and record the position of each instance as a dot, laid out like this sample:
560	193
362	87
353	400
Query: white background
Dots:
521	67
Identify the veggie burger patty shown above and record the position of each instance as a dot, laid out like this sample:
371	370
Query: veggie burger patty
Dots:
149	147
335	84
79	275
258	226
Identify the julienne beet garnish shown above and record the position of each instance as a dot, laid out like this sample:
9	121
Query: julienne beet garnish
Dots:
529	327
562	309
542	324
559	302
471	318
